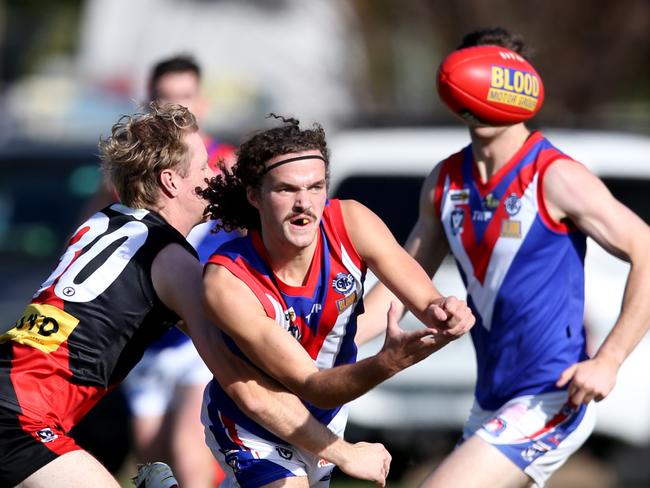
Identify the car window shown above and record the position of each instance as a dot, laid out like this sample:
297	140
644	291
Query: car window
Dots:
633	193
393	198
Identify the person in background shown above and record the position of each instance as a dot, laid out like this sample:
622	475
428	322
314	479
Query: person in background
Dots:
515	213
165	389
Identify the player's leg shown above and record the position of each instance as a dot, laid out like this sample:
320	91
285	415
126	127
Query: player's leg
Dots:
71	470
474	464
194	465
193	462
532	434
148	389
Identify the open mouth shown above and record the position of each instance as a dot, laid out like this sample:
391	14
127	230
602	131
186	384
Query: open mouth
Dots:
300	221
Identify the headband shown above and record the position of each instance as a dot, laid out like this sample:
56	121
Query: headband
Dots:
290	160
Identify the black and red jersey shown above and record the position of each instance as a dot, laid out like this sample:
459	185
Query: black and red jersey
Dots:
91	320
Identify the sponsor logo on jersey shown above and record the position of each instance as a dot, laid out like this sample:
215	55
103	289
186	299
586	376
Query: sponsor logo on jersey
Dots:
512	204
459	196
456	219
481	215
514	87
343	283
490	202
43	327
290	323
284	452
344	303
46	435
511	228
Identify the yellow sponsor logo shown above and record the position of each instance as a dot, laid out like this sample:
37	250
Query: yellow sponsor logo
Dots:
514	87
43	327
511	228
346	302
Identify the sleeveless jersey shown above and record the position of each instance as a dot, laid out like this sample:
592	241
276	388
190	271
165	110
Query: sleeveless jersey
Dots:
321	315
90	322
524	272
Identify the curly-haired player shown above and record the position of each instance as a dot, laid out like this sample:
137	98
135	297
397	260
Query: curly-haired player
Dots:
287	297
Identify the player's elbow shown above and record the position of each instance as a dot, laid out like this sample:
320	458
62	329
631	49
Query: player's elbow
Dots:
249	398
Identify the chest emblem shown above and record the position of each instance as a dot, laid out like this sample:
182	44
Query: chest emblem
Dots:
343	283
512	204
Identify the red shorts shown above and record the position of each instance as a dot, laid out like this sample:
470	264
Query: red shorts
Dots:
27	444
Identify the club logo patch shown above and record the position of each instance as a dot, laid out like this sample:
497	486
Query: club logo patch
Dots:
343	283
512	204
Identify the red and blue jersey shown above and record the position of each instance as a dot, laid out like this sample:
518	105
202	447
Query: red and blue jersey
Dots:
321	314
523	271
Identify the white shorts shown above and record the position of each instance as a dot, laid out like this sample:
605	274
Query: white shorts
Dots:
250	461
536	432
150	387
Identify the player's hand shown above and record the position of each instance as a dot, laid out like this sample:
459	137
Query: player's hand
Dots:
450	316
589	380
367	462
403	348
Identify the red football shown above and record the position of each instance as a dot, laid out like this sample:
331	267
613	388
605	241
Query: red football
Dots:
491	85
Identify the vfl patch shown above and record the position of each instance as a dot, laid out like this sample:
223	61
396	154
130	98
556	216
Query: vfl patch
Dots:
459	196
456	219
514	87
343	283
344	303
512	204
490	202
46	435
43	327
511	228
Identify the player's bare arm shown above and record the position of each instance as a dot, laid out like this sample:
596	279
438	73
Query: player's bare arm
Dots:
271	348
573	193
177	278
402	274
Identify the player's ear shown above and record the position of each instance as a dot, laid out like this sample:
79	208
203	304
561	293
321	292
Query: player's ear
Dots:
252	196
168	182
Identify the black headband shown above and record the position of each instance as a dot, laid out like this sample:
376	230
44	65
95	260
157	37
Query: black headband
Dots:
289	160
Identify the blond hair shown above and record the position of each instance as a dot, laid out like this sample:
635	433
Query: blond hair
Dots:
141	146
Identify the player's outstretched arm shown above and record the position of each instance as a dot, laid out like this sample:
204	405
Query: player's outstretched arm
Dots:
396	269
178	282
232	305
572	192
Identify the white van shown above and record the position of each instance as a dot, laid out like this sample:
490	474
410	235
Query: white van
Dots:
384	169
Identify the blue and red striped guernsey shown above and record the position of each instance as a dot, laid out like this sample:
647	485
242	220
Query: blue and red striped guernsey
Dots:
523	272
321	314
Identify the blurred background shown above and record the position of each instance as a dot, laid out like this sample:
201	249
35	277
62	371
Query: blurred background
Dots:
70	68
